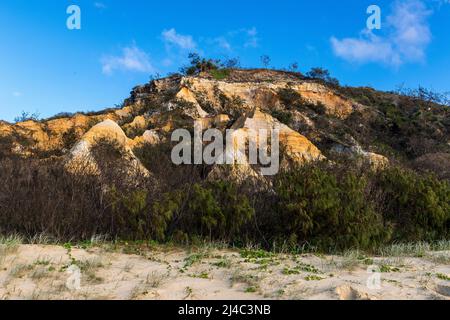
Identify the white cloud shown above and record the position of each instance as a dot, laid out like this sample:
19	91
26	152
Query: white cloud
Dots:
99	5
252	38
406	38
17	94
241	38
167	62
223	43
132	59
171	37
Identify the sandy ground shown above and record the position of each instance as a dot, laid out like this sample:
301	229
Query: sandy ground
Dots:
57	272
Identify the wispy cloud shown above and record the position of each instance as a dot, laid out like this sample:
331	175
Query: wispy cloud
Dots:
177	43
245	37
222	43
17	94
172	38
100	5
405	40
252	38
132	59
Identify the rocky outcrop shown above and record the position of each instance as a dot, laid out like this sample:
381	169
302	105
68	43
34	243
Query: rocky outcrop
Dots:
296	146
81	156
246	101
151	137
252	127
376	161
265	95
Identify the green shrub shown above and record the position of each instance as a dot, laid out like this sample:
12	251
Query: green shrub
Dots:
220	74
317	207
283	117
216	211
199	64
419	206
130	211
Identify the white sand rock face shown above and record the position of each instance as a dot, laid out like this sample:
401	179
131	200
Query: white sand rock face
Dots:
151	137
186	95
376	161
296	146
265	94
81	153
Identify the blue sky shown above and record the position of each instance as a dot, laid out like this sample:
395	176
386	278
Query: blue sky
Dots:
47	68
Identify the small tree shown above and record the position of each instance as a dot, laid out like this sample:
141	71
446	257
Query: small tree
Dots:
265	60
26	116
293	67
322	74
232	63
199	64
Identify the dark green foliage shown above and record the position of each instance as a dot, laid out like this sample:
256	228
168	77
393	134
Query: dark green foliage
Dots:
282	116
216	211
411	125
220	74
199	64
218	69
322	75
234	106
291	99
419	206
329	207
130	213
328	211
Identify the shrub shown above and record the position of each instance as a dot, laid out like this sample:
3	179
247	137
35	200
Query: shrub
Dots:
317	207
419	206
26	116
283	117
327	206
199	64
220	74
216	211
323	75
130	213
70	138
291	99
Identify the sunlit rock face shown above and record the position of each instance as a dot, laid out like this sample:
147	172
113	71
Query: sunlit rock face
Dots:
316	121
81	157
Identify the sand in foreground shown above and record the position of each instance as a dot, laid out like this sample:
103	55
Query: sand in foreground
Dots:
57	272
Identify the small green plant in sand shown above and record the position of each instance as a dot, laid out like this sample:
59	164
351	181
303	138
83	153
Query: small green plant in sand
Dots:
203	275
251	290
313	278
443	276
255	254
224	262
193	259
387	268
